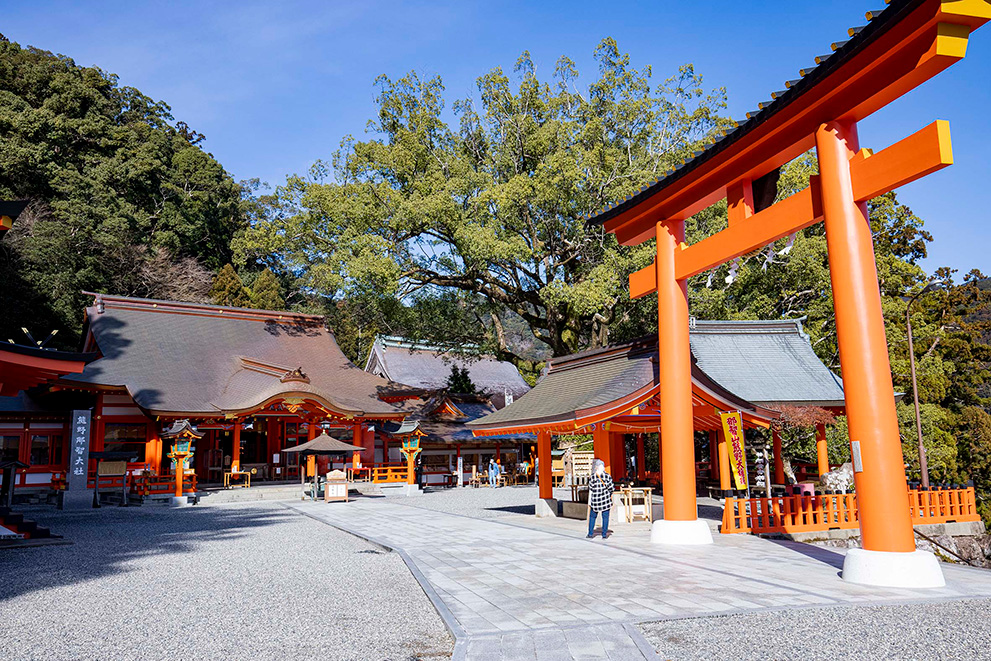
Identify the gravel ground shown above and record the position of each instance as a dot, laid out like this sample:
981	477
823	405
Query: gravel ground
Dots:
942	630
241	581
480	503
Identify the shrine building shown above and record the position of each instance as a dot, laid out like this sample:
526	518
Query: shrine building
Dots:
254	382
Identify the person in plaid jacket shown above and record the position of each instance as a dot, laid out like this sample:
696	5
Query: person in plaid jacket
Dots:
600	489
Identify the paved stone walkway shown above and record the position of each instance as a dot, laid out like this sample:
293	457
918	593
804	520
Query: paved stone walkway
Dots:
525	588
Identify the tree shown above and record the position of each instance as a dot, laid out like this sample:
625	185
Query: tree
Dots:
460	381
120	201
265	292
493	210
229	290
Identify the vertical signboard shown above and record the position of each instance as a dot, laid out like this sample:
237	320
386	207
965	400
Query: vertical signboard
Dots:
79	451
77	468
733	430
461	471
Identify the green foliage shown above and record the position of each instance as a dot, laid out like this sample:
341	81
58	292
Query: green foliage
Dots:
121	201
266	292
487	219
229	290
460	382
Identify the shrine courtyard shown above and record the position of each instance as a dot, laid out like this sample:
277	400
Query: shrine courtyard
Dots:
456	573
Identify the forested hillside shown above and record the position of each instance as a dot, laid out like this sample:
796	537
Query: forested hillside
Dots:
122	200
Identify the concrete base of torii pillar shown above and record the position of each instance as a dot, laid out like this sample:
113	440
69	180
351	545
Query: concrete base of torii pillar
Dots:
683	533
914	569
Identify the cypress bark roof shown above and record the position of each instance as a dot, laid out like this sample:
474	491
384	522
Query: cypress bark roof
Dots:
184	358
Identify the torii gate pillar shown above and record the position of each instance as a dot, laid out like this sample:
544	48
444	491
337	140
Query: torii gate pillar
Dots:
680	524
888	553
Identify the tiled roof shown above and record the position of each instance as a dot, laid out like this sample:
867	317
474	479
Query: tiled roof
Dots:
430	367
765	362
593	379
197	359
747	363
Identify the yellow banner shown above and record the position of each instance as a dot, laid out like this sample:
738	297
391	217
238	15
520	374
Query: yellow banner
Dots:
733	433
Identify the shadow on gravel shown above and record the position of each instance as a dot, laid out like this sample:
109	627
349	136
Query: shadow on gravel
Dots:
514	509
105	540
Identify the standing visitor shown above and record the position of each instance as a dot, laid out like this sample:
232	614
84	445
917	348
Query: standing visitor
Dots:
493	473
600	489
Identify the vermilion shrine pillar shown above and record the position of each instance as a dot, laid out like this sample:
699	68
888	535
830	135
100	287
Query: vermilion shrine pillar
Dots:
713	454
779	460
725	472
617	447
602	446
641	459
680	524
822	450
546	506
236	448
879	473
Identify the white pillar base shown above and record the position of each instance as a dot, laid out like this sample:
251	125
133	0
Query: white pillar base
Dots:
179	501
915	569
546	507
687	533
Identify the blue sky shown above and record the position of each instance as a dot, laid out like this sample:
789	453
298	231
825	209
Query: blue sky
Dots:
275	85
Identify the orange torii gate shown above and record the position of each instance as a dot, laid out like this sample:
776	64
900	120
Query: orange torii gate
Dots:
902	46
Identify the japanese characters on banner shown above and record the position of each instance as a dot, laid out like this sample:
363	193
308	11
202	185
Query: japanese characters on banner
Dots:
733	431
78	450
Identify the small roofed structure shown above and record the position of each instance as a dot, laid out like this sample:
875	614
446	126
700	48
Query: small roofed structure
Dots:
612	392
429	368
613	385
322	445
440	420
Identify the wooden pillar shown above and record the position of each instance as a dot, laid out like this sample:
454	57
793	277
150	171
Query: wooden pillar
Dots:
725	472
618	455
236	447
385	449
675	369
498	453
602	447
779	460
545	488
713	454
641	459
885	523
822	451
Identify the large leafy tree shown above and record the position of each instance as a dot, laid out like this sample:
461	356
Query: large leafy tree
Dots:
122	200
492	210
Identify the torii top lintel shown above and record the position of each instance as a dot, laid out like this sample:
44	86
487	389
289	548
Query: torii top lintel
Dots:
902	47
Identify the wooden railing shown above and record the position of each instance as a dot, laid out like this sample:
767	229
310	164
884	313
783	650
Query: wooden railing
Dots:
806	513
150	485
389	473
141	484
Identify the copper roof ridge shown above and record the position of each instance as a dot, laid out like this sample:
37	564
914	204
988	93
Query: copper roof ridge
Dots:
601	353
161	305
746	326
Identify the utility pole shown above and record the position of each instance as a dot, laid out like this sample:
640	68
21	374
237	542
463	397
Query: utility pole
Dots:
923	464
